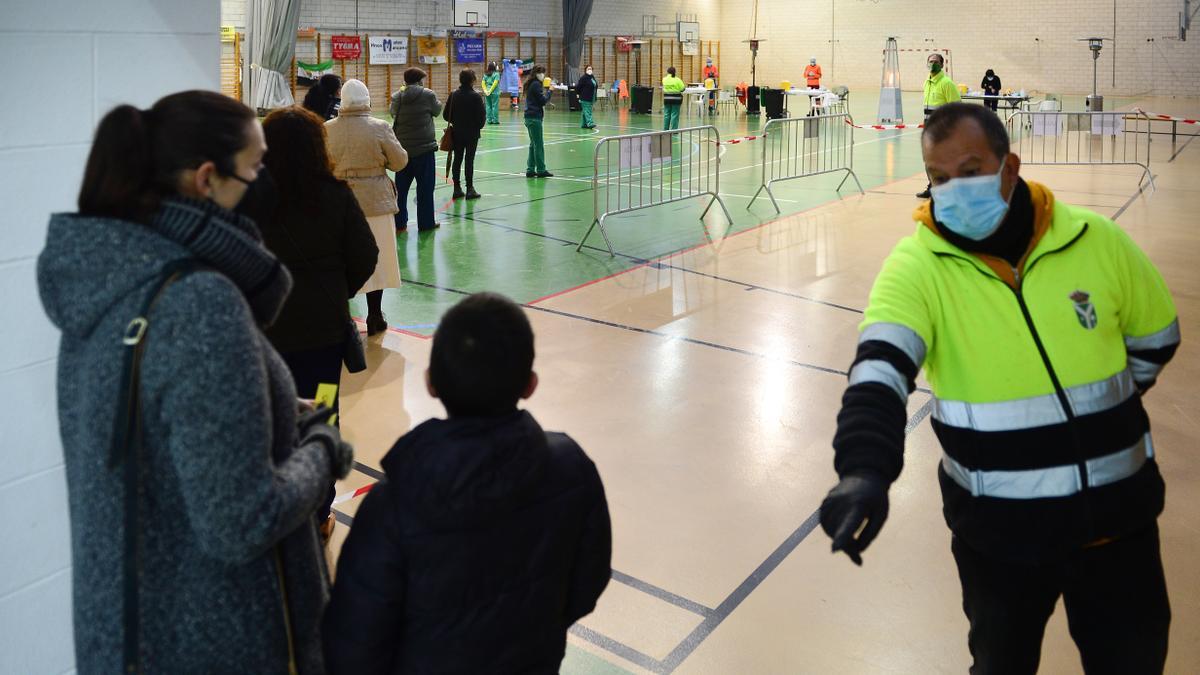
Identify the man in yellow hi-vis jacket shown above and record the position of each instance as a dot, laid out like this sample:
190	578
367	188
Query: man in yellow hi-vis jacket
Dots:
1039	325
939	90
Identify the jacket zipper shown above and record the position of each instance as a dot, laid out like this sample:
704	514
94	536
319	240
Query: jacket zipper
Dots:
1059	391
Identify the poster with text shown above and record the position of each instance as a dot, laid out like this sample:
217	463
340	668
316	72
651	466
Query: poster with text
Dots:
388	50
346	47
468	50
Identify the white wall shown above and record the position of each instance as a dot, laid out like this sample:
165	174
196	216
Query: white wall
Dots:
77	59
1030	43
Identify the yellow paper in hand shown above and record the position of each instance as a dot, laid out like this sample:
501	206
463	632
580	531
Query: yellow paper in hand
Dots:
326	395
547	82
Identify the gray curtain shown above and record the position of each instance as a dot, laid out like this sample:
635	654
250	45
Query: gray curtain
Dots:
271	42
575	18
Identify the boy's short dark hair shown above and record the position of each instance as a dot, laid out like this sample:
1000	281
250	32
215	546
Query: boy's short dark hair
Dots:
946	119
482	356
466	78
413	75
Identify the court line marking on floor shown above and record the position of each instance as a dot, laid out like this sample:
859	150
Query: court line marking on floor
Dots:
1141	189
712	617
751	583
613	646
663	594
1189	142
660	260
692	247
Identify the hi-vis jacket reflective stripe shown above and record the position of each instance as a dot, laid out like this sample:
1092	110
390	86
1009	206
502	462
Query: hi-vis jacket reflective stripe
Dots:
1036	371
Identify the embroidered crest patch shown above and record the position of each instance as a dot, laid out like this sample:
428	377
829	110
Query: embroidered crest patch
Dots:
1085	311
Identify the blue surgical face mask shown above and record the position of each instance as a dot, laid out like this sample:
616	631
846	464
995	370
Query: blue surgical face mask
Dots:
971	207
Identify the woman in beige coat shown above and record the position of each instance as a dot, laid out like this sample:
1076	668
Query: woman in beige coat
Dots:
362	147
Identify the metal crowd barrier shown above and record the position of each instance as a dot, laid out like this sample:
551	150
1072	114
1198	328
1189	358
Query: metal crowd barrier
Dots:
641	171
800	147
1083	139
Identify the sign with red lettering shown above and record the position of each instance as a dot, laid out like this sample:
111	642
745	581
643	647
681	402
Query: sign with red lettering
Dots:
346	46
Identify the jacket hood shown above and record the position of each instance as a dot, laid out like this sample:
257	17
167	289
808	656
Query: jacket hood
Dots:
464	470
354	110
412	92
91	263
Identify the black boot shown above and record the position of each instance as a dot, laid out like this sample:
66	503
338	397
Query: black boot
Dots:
471	193
458	193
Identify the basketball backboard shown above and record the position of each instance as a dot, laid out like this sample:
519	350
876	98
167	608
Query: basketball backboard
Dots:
471	13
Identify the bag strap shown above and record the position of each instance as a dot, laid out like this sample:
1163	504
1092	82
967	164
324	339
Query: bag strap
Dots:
126	447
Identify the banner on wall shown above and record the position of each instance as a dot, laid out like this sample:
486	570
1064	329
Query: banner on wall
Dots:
346	47
622	43
388	50
469	50
691	48
431	49
465	33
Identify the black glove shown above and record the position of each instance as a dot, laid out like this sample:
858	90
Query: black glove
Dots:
314	417
857	498
341	453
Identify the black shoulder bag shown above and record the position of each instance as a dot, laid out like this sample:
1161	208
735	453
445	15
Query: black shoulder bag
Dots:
127	446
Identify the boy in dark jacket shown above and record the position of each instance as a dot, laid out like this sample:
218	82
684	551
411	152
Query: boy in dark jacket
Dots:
488	538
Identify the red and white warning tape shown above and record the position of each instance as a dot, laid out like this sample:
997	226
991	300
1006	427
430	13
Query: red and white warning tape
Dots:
735	141
743	139
1168	118
885	127
347	496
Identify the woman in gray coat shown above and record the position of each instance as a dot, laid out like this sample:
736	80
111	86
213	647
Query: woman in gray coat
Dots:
229	575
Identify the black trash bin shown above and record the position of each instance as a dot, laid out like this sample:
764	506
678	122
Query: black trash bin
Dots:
573	100
641	99
752	94
772	100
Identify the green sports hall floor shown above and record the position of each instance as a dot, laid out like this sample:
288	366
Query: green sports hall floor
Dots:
519	239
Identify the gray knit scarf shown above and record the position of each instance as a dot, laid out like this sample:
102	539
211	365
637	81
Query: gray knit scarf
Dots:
230	244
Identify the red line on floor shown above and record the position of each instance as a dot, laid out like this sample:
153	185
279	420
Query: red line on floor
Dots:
699	246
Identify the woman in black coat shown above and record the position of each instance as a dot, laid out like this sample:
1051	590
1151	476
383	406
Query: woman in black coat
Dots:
991	87
319	232
324	97
585	89
466	113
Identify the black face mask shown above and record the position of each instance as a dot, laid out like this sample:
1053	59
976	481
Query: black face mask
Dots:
261	196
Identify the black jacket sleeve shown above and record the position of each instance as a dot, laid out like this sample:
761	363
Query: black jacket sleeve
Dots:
478	113
362	622
870	425
593	563
448	107
359	250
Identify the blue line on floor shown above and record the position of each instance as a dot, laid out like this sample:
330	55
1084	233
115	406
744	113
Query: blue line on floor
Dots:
620	649
648	331
663	594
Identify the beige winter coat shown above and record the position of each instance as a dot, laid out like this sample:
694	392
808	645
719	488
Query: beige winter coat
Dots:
361	147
